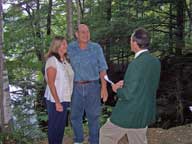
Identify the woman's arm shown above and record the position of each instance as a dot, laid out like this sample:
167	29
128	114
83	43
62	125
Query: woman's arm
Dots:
51	75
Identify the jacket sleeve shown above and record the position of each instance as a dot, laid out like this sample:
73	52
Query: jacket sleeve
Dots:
132	81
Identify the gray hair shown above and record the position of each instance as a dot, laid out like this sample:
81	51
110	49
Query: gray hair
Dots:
141	36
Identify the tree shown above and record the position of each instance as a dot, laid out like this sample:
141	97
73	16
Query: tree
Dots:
180	44
78	12
69	19
49	17
1	67
189	13
5	112
30	24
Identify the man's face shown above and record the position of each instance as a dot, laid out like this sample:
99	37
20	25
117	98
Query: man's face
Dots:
83	34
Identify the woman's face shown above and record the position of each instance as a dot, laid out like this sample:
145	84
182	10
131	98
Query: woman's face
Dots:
63	48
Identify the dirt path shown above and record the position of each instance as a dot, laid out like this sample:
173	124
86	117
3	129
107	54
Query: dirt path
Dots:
177	135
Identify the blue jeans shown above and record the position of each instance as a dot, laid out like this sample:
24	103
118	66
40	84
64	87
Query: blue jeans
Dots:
56	122
86	97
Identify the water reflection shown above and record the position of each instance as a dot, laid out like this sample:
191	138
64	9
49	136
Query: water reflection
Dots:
24	115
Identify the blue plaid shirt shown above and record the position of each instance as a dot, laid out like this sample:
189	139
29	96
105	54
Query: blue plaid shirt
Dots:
86	63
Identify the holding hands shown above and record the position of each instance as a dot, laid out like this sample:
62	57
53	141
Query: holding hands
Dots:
117	85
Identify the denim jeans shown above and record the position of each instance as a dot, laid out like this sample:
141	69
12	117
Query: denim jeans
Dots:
86	97
56	122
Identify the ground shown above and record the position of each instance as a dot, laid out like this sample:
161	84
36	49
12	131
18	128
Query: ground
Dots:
176	135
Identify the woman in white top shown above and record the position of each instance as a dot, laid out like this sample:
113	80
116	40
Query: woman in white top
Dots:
59	77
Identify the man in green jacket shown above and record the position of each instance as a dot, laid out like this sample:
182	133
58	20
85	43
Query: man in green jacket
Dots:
136	105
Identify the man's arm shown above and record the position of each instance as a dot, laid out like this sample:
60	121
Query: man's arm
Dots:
132	82
104	93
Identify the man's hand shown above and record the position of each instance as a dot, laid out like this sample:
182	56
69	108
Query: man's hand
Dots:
117	85
104	94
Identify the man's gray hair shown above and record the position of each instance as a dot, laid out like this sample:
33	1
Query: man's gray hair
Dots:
141	36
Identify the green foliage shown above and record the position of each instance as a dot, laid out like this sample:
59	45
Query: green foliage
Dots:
42	116
17	137
26	129
111	23
26	40
106	113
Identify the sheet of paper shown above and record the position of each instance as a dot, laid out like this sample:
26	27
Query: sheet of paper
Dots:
190	107
108	80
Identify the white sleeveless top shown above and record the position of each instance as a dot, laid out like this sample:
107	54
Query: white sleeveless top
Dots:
63	80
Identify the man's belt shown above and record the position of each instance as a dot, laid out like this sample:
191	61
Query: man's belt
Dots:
85	82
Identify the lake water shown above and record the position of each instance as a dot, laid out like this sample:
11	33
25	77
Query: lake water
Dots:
24	115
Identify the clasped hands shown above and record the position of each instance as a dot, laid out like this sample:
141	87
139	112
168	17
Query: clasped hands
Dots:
117	85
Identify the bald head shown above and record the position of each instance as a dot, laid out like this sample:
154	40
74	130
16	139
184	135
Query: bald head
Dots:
82	27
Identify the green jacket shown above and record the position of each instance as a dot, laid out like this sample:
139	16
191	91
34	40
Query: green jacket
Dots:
136	105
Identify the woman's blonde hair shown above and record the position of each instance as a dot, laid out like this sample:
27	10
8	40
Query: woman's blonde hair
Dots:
53	49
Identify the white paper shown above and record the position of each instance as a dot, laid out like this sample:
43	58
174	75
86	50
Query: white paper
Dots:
190	108
108	80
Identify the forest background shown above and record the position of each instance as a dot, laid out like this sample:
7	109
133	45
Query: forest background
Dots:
27	27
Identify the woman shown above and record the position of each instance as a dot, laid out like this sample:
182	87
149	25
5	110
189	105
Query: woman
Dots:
59	77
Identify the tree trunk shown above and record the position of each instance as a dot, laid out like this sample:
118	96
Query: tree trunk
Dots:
69	20
180	28
5	109
49	17
37	19
81	5
1	68
170	29
108	11
190	7
38	46
108	17
78	12
179	88
7	112
189	13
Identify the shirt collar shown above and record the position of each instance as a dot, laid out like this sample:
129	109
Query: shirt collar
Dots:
139	52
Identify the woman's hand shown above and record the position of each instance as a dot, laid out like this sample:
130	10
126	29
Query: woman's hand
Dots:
59	107
117	85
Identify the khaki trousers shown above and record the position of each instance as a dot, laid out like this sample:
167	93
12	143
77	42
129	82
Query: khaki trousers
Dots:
111	134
